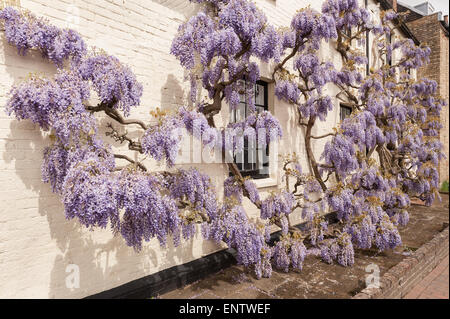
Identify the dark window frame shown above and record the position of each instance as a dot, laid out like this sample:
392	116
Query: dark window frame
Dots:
254	172
344	111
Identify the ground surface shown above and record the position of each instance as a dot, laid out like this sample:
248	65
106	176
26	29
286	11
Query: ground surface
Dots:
321	280
433	286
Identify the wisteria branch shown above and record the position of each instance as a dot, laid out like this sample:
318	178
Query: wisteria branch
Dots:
125	157
118	137
115	115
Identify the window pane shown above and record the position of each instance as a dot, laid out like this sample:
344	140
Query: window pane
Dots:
251	161
259	94
241	88
345	112
249	157
263	161
259	109
239	160
240	112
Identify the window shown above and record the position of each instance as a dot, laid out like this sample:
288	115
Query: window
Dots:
252	161
345	111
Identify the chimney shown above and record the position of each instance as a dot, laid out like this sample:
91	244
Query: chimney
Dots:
446	19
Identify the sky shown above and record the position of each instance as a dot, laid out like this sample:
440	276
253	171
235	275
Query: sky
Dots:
439	5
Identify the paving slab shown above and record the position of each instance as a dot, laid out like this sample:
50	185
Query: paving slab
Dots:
320	280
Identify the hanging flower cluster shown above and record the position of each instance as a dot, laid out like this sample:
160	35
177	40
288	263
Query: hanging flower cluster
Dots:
113	81
26	32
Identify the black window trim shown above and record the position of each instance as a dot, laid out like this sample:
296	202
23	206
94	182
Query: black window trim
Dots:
256	174
345	106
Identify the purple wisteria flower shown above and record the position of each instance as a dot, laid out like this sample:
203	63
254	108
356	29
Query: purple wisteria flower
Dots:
26	31
163	141
113	81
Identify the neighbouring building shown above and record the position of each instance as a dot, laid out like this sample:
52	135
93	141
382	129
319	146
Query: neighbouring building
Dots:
431	28
39	248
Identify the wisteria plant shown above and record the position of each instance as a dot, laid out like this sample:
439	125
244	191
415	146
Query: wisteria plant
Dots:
385	153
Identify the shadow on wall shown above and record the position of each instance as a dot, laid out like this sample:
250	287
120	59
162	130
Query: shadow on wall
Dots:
172	94
171	98
104	260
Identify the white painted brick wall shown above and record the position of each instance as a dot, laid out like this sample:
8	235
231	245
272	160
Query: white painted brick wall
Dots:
36	242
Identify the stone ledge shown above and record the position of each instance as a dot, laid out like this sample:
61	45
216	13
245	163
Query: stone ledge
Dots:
397	281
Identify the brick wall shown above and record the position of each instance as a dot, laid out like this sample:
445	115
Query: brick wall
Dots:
443	88
430	32
398	281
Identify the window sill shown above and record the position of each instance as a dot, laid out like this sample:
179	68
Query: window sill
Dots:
265	182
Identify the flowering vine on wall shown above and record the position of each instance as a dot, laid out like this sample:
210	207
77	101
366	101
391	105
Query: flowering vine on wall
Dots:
386	152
